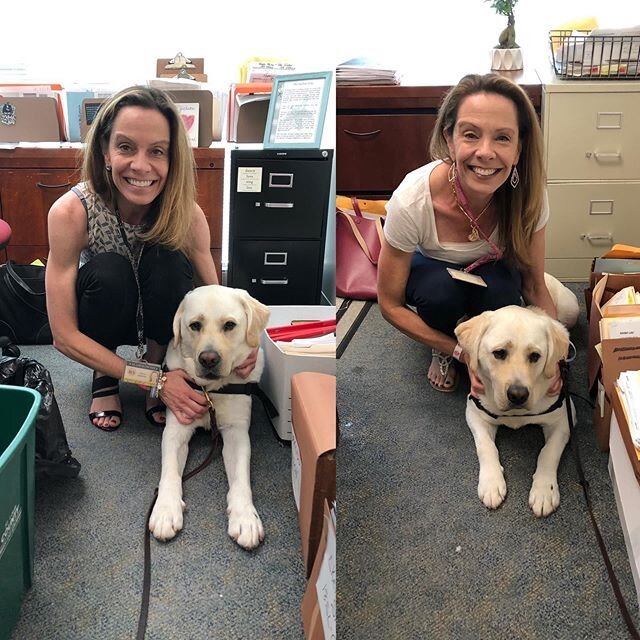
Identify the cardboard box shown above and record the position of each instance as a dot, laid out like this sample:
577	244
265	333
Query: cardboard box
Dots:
625	480
616	355
319	602
313	454
605	288
279	367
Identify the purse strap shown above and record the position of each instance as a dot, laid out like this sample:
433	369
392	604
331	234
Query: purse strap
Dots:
356	207
358	236
19	287
19	281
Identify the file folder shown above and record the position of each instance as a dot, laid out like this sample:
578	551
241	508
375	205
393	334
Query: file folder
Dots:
30	119
248	109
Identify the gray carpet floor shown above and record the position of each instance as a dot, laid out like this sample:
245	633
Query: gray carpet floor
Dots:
89	535
419	556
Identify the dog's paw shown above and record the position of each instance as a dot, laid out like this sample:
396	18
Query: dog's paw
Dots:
544	496
245	526
492	488
166	517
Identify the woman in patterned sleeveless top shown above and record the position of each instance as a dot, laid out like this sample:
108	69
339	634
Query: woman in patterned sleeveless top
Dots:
130	231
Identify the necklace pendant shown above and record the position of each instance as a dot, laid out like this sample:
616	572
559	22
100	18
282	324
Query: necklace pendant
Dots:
474	236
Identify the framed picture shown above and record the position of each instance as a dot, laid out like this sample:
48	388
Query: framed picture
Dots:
297	109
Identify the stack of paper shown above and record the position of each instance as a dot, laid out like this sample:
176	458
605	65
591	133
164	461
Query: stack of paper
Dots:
359	71
264	69
621	315
316	338
629	386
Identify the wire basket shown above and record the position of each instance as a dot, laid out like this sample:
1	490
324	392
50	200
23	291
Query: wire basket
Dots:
577	55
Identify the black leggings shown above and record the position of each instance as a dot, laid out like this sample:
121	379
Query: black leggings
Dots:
441	301
108	296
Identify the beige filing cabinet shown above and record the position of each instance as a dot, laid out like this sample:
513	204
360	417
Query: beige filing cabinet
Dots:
592	148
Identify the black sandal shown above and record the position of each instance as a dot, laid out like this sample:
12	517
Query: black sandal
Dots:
101	388
151	412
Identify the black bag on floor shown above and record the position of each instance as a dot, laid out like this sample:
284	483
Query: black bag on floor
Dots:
23	305
53	456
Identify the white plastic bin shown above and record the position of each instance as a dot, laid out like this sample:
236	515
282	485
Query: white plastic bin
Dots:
279	367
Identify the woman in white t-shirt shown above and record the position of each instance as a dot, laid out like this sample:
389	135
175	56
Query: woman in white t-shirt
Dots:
480	206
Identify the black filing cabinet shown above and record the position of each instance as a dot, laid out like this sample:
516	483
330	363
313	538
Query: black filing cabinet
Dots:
278	223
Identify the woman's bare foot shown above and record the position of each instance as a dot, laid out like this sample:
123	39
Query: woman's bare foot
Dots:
442	374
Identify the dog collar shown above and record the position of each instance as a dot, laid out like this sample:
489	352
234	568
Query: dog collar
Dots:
556	405
245	389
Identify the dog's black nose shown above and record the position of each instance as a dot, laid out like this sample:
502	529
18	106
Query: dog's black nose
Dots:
209	359
517	394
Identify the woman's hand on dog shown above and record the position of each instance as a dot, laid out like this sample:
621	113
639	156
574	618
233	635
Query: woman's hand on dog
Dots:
186	403
248	365
477	388
556	385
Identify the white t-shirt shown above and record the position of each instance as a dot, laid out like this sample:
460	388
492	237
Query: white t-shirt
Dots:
410	224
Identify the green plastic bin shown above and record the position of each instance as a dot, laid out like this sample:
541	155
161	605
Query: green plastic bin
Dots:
18	411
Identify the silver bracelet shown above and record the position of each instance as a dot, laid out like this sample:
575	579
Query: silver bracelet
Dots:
155	391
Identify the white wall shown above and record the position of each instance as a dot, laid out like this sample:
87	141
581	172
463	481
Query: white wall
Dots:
73	41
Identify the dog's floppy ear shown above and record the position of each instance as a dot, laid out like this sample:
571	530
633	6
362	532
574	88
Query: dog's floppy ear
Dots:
257	317
469	334
558	347
177	322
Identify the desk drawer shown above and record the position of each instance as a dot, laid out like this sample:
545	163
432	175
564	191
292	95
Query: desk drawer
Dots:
593	136
277	271
377	151
588	218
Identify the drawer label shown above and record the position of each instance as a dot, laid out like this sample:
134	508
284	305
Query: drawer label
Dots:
609	120
249	179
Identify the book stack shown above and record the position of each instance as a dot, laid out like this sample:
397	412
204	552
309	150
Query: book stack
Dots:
363	71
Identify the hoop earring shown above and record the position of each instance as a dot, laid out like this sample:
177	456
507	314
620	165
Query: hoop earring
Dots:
515	177
452	171
108	168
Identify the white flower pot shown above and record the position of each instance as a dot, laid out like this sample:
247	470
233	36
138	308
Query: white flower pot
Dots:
506	59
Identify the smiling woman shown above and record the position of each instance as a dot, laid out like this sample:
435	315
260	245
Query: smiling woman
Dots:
126	244
465	233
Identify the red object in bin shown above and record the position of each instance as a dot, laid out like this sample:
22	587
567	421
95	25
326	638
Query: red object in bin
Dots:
302	330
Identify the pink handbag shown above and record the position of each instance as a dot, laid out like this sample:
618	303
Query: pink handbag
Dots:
358	244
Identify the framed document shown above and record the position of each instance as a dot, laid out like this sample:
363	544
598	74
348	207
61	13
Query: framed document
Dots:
297	109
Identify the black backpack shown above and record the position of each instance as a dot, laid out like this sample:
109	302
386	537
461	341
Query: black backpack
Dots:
53	456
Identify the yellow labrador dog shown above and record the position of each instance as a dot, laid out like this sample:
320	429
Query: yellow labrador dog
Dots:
515	351
214	330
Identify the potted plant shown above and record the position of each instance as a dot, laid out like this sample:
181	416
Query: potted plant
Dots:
506	55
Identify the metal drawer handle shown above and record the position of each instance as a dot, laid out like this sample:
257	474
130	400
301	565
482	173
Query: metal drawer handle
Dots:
591	237
52	186
365	133
279	205
283	281
604	156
